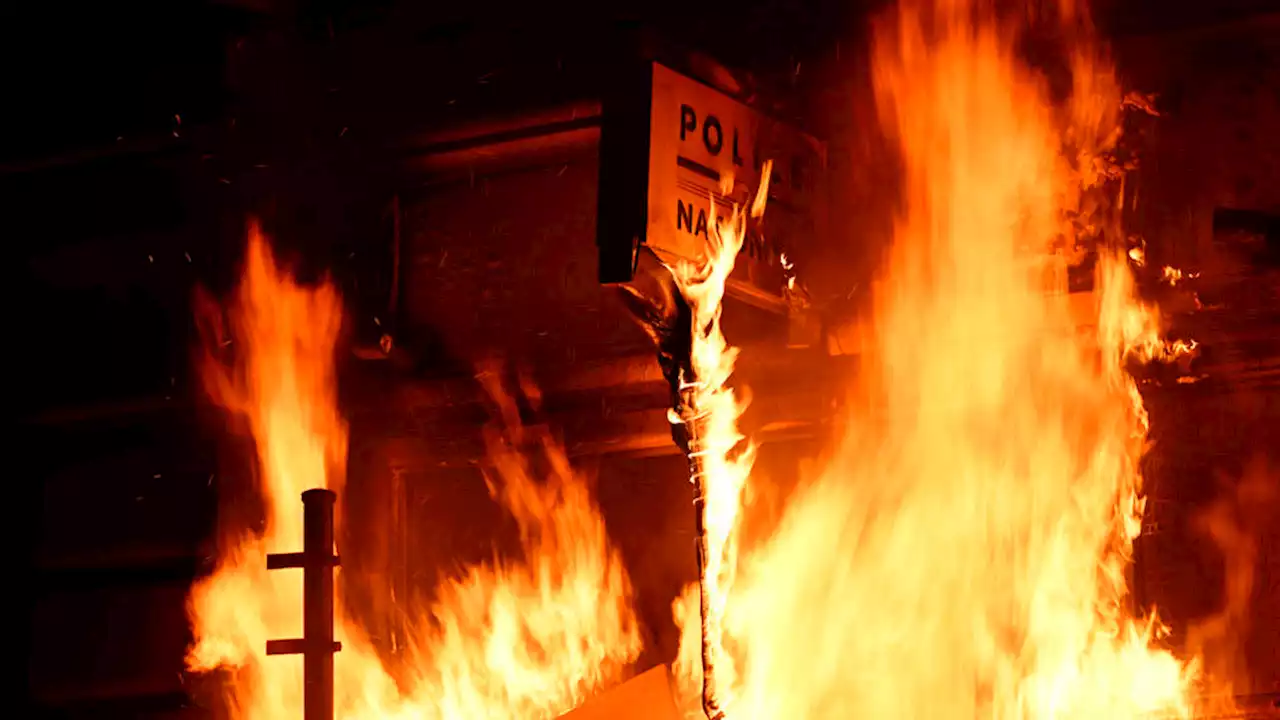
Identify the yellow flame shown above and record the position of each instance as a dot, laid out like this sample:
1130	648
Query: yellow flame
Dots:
1173	275
285	387
964	551
528	639
1131	324
712	414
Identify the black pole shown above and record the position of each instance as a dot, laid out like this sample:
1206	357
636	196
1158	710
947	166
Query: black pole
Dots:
317	603
316	645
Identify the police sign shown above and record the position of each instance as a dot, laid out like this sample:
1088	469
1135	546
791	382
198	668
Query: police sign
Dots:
696	138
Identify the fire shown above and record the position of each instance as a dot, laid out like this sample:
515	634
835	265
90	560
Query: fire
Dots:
710	414
964	552
284	386
1173	275
527	639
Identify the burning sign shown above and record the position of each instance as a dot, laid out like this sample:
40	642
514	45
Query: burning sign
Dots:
706	152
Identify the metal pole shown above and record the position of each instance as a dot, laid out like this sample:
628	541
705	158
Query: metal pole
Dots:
316	644
692	429
710	694
317	603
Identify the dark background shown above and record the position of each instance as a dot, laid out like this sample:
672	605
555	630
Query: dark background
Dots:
137	138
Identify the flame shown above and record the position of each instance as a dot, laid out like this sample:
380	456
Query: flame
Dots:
528	639
284	386
711	414
964	552
1132	324
1173	275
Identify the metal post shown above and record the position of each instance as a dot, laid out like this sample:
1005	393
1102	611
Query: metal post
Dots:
316	645
317	603
692	429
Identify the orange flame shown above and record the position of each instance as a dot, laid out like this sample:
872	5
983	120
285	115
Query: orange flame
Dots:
1173	275
285	387
528	639
713	411
964	552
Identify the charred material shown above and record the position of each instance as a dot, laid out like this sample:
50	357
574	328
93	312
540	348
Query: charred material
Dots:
661	309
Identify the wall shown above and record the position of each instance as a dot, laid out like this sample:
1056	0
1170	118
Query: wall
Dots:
1214	145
